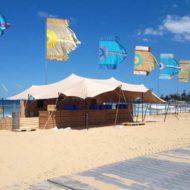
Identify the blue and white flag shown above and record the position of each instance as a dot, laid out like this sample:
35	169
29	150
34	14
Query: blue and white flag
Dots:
169	67
111	53
3	24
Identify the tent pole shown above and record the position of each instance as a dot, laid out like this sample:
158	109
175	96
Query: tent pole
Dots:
177	110
166	113
142	107
131	113
145	112
28	105
86	114
117	111
137	116
57	99
51	113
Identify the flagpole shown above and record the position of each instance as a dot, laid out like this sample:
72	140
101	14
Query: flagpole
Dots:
46	62
46	67
158	86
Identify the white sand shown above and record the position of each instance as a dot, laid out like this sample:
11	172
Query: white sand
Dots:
31	157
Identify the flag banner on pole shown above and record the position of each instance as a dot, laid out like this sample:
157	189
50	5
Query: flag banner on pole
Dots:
3	24
145	61
61	40
184	73
169	67
111	53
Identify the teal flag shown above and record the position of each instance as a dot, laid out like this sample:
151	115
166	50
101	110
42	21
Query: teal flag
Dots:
169	67
3	24
111	53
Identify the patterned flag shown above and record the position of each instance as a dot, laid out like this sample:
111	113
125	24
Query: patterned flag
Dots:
169	67
184	73
111	53
3	24
61	40
145	61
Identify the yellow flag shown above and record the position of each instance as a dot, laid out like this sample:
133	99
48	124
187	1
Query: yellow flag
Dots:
184	73
145	61
61	40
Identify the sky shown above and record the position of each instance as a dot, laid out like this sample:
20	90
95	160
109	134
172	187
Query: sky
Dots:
163	25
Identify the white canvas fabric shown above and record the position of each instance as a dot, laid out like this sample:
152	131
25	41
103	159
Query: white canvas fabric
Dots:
61	40
81	87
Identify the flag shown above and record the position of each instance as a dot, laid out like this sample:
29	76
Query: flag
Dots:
145	61
111	53
61	40
169	67
3	24
184	73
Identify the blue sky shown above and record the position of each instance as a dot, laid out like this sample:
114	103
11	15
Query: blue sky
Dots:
163	25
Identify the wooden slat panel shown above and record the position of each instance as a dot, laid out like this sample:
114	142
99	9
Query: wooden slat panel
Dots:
6	123
29	122
77	118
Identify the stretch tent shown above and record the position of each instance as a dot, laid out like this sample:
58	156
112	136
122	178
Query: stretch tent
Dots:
76	86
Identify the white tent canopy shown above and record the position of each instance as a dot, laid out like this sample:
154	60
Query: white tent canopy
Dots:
81	87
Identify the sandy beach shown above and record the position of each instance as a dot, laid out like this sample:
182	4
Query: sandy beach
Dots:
31	157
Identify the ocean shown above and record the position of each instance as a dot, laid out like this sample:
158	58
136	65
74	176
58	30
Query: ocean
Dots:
9	107
155	109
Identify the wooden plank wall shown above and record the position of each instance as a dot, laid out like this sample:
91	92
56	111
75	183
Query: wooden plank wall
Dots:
29	123
107	117
5	123
61	119
25	123
78	118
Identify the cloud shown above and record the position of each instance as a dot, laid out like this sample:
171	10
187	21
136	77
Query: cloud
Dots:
152	31
145	40
178	26
174	6
44	14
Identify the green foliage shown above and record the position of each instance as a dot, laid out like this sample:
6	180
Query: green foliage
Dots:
179	97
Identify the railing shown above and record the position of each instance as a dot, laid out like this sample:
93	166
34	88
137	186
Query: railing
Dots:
156	109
